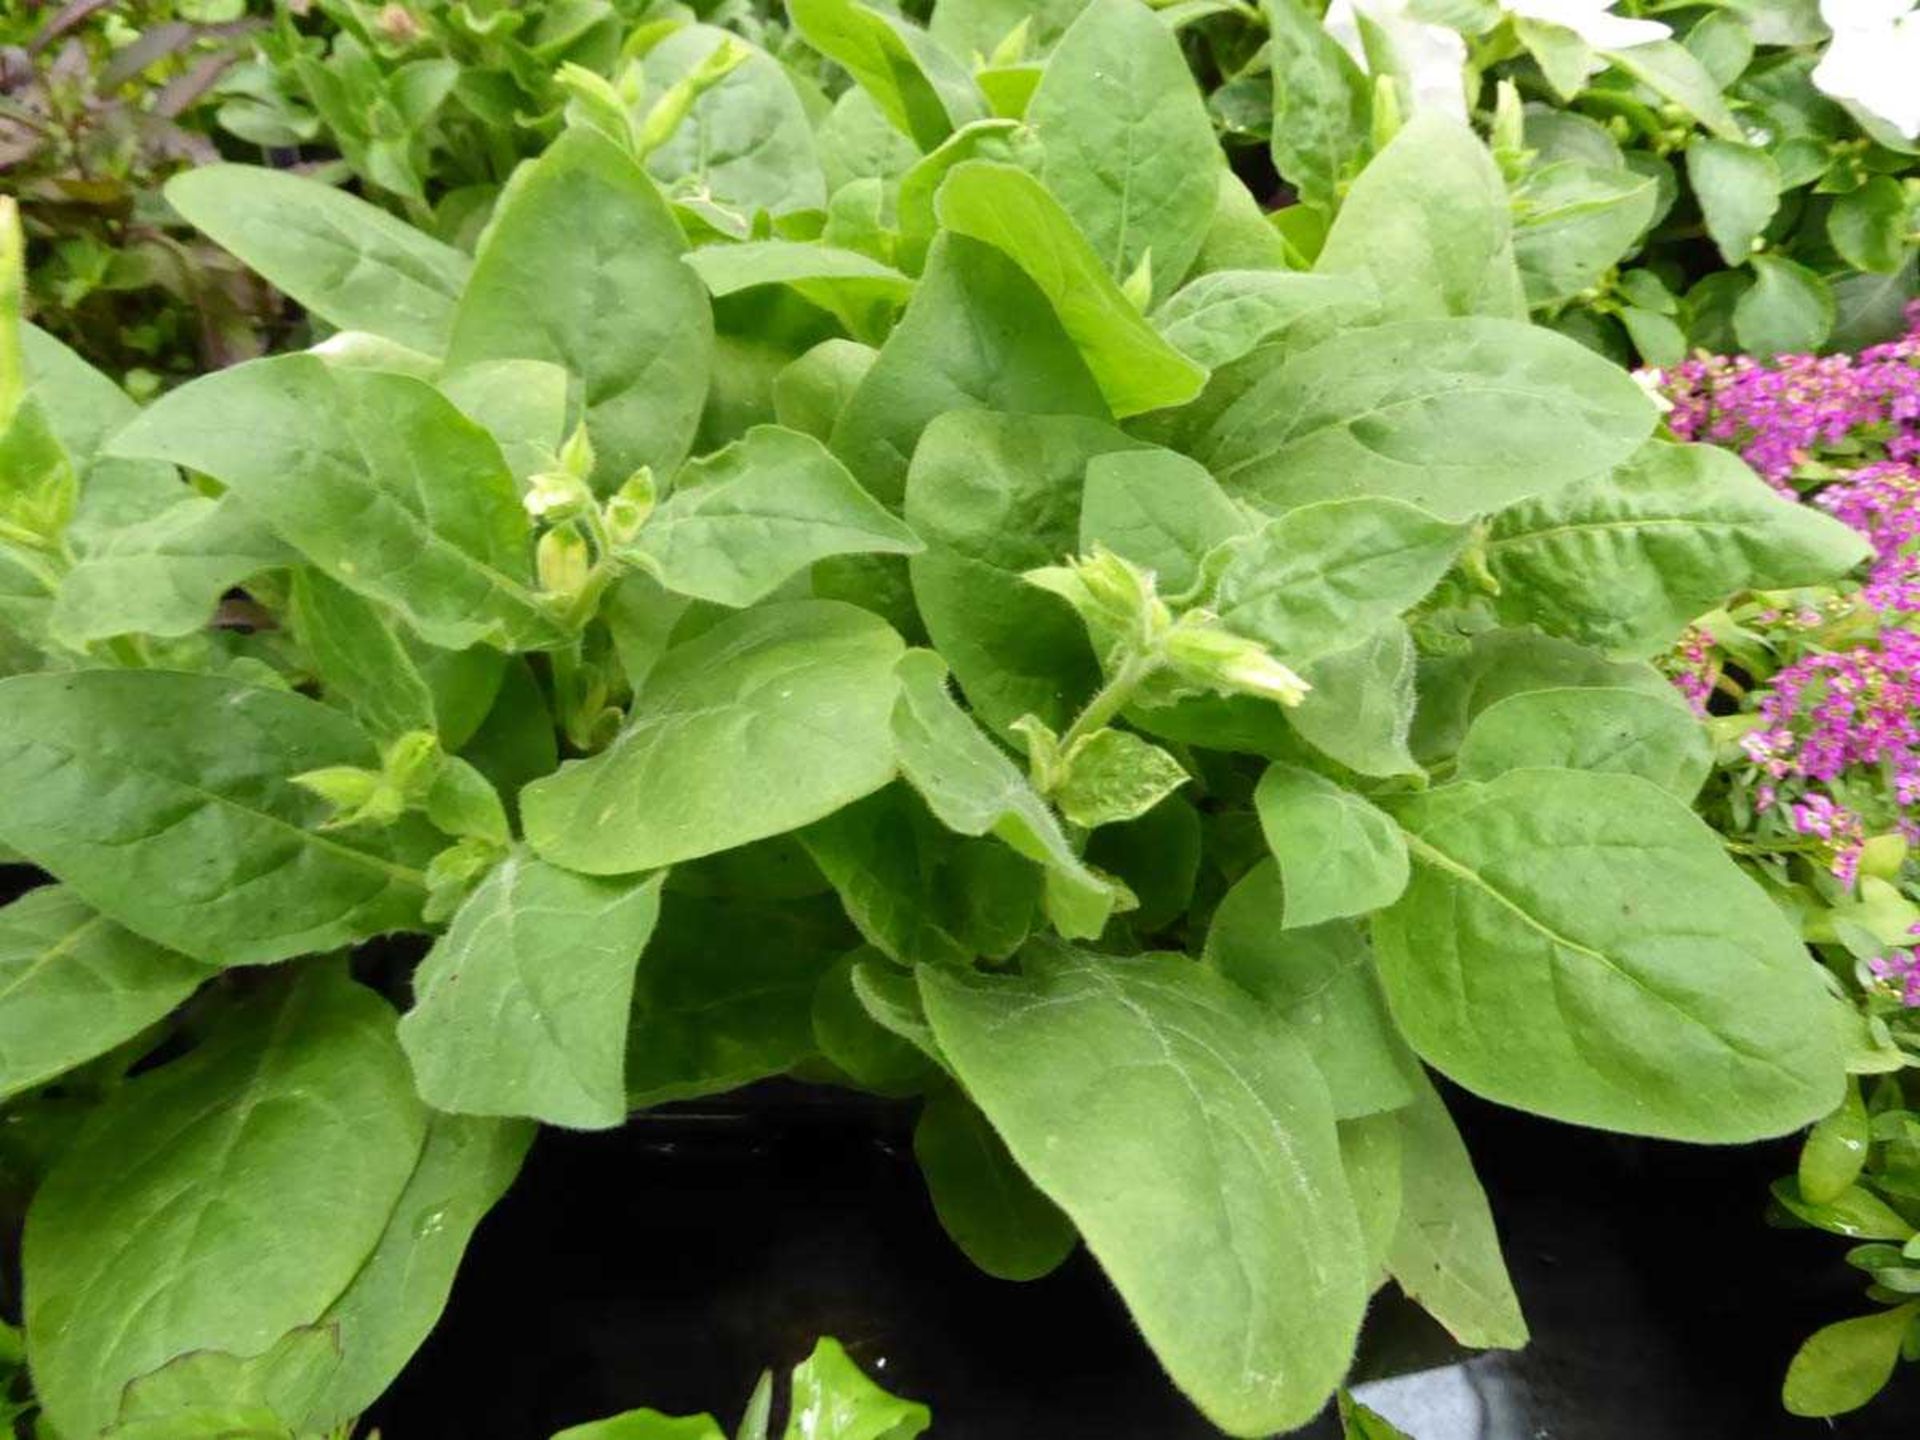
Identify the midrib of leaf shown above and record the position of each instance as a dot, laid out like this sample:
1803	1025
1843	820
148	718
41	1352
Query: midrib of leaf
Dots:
1574	527
1442	861
63	946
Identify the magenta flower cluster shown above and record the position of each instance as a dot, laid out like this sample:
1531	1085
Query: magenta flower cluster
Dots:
1836	748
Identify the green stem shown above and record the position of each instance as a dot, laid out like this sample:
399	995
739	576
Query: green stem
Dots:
1110	699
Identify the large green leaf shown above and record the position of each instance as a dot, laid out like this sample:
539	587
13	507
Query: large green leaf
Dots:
1407	410
982	1198
581	266
745	143
164	801
834	1400
1005	207
1321	981
164	575
978	335
925	92
1191	1141
1128	149
743	520
1339	854
1427	223
359	661
1844	1365
1360	710
1321	574
1624	560
764	723
73	985
1321	104
1221	316
221	1200
1572	222
1614	731
521	1007
397	1295
993	496
1158	509
1578	945
1444	1253
374	477
348	262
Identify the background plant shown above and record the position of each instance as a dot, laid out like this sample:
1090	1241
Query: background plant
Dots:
927	595
1812	701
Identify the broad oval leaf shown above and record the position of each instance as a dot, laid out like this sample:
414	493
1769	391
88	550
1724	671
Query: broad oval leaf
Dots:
1621	732
349	262
1127	146
1427	223
799	693
1317	576
581	266
1407	411
921	89
1578	945
1223	315
73	985
1624	560
984	1201
1005	207
1844	1365
164	801
1191	1141
374	477
294	1119
1158	509
747	518
1339	854
521	1007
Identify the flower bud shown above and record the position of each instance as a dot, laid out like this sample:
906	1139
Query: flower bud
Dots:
563	562
628	510
1205	655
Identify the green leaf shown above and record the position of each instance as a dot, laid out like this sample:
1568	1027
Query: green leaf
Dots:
1221	316
1427	223
1574	222
801	691
1616	732
1114	776
1625	560
521	403
1357	1422
1190	1141
1835	1150
165	575
1311	580
84	408
645	1425
1844	1365
883	855
1738	187
746	142
272	1153
1856	1212
1158	509
870	1054
1565	59
376	478
1869	226
976	27
521	1007
358	659
1322	105
858	290
834	1400
725	993
163	800
1579	945
582	240
213	1392
1005	207
1128	149
977	335
73	985
919	87
984	1201
1670	70
1370	1154
1404	411
742	521
1445	1254
1360	710
1339	854
349	262
810	393
397	1295
1788	310
1321	981
973	788
994	496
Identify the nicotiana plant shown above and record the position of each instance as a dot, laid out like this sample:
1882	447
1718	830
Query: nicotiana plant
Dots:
1738	176
1812	697
920	597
